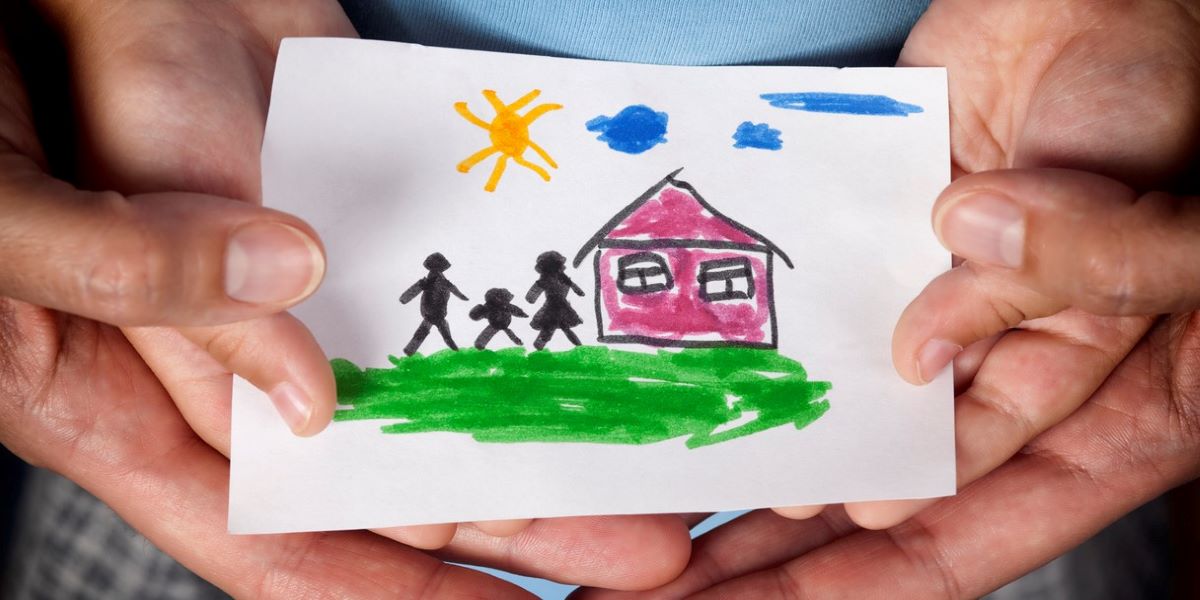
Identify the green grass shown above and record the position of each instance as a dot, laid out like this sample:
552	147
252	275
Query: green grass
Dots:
589	394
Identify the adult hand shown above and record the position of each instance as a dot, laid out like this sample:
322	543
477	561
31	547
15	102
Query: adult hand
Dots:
138	66
1060	428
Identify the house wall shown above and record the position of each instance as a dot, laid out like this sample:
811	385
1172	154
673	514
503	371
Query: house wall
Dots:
679	314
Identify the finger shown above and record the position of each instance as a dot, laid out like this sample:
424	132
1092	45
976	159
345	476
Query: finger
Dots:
504	527
604	551
1116	453
150	260
752	542
1030	380
1082	239
278	355
619	552
425	537
806	511
145	463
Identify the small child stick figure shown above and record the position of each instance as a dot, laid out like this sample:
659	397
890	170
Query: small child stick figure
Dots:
499	311
435	291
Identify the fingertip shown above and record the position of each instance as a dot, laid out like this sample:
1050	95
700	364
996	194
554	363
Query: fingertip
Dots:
883	514
422	537
933	357
799	513
503	527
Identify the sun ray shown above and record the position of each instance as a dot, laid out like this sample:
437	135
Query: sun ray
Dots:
533	115
509	135
532	167
466	113
476	158
497	171
542	153
523	100
495	101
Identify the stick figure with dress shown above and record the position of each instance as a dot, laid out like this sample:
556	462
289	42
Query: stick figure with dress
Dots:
556	313
435	291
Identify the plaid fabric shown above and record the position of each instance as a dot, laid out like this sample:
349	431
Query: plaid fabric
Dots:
70	546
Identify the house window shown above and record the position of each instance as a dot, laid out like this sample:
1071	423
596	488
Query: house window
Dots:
643	273
726	279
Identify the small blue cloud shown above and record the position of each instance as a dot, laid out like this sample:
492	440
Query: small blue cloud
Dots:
751	135
847	104
634	130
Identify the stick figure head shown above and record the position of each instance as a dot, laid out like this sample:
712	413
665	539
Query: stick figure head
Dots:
498	296
436	262
550	262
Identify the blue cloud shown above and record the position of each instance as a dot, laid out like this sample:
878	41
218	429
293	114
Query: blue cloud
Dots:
634	130
847	104
751	135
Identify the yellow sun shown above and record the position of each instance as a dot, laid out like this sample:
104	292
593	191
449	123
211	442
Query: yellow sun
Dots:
509	133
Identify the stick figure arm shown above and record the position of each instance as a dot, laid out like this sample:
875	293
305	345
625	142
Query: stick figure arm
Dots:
574	287
533	293
454	290
412	292
517	312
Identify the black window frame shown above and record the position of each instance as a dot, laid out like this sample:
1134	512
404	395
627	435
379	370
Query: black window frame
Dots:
624	272
728	275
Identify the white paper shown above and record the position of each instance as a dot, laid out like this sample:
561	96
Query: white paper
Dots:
363	140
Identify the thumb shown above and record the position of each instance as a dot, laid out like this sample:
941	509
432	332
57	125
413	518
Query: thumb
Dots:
1039	241
153	259
1080	239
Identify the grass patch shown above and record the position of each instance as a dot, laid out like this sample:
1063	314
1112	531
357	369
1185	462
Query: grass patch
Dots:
589	394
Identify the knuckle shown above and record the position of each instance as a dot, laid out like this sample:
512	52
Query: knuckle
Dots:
1110	281
127	282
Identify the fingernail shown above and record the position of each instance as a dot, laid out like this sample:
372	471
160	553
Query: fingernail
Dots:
270	263
293	405
933	357
987	228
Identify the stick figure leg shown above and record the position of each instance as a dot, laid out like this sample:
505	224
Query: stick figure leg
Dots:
512	336
417	338
571	336
543	337
485	336
444	328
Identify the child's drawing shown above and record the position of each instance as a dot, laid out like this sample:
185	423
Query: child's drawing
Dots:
673	271
757	135
556	313
509	134
498	310
846	104
434	290
634	130
669	270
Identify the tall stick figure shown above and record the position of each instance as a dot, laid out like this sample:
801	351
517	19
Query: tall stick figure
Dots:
434	290
556	313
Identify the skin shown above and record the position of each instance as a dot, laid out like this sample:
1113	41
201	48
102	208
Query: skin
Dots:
171	99
1076	403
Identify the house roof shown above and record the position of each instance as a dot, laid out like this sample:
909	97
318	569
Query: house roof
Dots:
672	210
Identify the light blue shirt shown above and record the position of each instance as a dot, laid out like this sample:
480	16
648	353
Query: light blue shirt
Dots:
682	32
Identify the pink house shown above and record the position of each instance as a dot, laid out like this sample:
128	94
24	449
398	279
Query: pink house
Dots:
673	271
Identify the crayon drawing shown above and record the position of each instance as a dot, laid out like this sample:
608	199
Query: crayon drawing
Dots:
509	135
669	270
634	130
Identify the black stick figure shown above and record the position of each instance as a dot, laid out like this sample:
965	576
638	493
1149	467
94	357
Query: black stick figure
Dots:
556	313
435	291
499	311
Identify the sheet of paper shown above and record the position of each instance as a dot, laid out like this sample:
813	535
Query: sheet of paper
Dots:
730	246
